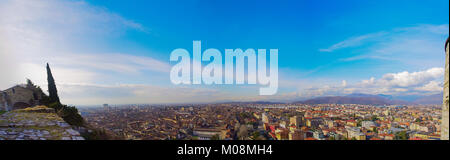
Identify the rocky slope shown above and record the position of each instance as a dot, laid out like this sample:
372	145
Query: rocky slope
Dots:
37	123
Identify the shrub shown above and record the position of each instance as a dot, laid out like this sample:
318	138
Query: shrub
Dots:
98	134
215	137
57	106
70	115
45	100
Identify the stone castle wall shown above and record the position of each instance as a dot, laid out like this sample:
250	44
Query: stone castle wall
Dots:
5	102
445	111
19	94
2	102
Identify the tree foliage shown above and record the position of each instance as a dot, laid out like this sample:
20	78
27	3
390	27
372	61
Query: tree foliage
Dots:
215	137
255	135
401	135
374	118
53	92
70	115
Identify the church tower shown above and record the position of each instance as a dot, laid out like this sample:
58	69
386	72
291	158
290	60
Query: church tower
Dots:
444	125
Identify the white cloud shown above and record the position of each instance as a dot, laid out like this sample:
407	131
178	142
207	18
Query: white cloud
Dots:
419	46
38	74
84	93
385	41
353	41
67	34
406	79
432	86
35	32
369	81
112	62
416	47
344	83
421	82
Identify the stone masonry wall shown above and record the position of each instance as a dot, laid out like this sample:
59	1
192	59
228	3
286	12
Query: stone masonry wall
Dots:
19	94
2	102
445	111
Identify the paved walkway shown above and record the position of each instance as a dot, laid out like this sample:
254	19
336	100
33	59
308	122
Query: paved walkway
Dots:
38	123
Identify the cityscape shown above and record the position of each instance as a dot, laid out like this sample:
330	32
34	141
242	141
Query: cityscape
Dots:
224	70
233	121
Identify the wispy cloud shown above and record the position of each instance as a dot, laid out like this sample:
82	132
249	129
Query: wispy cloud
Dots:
353	41
419	46
384	38
91	93
61	32
113	62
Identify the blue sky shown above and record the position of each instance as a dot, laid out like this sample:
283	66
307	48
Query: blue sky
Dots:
111	51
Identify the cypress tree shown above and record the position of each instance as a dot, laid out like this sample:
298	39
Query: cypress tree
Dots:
53	93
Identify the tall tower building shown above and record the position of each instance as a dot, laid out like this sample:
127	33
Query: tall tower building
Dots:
265	118
444	129
295	120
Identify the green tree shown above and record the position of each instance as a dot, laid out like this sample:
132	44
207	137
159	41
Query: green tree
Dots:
374	118
359	123
215	137
401	135
53	93
255	134
70	115
56	106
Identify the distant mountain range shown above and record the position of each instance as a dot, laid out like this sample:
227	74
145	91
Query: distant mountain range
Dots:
379	99
251	102
432	99
359	98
